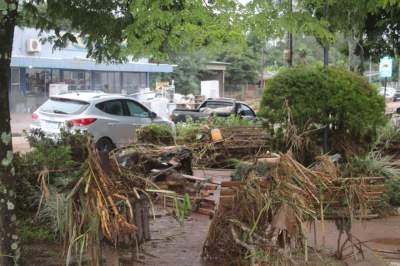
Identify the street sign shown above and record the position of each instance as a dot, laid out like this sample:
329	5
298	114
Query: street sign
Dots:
385	67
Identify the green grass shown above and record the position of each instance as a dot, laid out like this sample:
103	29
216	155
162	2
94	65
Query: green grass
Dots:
34	232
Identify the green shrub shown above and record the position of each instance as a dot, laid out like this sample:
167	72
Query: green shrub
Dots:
61	157
76	140
393	191
156	134
386	137
244	169
372	164
195	131
30	232
318	97
230	121
191	131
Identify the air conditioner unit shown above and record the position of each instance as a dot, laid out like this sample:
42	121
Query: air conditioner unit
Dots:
33	46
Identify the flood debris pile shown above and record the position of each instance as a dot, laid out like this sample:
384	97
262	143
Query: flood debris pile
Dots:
219	146
154	161
112	196
169	169
106	201
260	220
258	217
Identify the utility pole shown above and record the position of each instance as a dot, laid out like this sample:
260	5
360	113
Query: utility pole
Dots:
262	66
326	45
326	63
370	70
290	38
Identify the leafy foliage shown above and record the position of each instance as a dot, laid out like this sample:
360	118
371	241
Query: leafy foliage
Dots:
380	29
156	134
187	74
180	25
244	169
386	137
183	208
191	131
60	158
195	131
74	140
30	233
392	191
372	164
306	50
173	25
274	18
319	97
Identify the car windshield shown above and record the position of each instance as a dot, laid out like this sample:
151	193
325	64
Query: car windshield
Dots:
63	106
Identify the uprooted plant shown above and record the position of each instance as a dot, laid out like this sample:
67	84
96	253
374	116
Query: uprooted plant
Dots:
101	200
263	223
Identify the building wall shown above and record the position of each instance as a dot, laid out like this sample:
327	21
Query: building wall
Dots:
29	87
72	51
32	73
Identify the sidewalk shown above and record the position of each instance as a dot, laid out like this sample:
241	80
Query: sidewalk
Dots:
19	123
20	144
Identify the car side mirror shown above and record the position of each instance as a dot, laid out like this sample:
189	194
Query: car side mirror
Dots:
153	115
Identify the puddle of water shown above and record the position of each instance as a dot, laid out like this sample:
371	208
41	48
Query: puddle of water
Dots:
387	241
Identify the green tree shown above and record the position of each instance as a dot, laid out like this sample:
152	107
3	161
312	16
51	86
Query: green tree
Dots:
113	29
245	61
273	19
187	74
307	50
380	35
368	26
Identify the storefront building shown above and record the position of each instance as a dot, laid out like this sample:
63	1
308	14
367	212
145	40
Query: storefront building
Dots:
34	66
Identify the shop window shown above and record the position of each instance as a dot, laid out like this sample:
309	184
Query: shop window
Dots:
37	82
15	76
77	80
55	76
132	82
29	88
15	93
107	81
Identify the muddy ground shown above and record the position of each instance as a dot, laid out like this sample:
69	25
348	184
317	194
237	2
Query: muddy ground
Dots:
173	244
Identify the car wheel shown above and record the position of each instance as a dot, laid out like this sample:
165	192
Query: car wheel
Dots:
105	145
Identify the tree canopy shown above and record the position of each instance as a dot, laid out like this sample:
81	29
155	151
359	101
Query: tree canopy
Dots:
114	30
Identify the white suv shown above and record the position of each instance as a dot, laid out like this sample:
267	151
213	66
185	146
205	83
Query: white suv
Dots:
111	119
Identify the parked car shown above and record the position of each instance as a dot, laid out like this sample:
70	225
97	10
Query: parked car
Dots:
396	96
222	107
112	119
390	92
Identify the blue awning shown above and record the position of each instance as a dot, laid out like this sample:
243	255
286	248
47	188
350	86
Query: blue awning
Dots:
87	64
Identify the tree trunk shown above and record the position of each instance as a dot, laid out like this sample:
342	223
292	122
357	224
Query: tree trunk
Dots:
290	38
9	241
360	44
351	51
326	45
